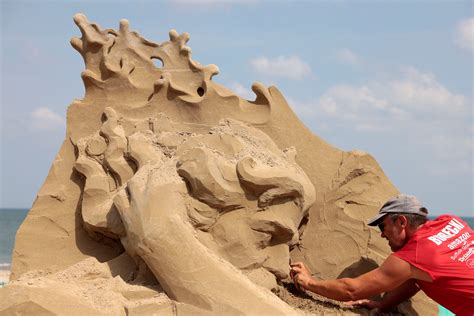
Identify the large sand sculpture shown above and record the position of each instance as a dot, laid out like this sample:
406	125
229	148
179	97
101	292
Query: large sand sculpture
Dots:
172	195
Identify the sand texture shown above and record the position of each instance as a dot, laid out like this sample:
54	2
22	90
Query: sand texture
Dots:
172	195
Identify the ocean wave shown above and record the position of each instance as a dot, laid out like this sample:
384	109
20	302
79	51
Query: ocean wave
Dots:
5	266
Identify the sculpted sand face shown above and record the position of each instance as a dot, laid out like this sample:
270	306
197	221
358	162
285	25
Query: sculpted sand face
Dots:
164	166
244	196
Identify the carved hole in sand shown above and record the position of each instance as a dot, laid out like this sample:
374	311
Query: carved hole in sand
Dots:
157	62
200	91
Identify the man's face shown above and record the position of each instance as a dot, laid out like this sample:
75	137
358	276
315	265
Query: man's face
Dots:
393	231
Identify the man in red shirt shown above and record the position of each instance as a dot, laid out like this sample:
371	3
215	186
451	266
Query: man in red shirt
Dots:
435	256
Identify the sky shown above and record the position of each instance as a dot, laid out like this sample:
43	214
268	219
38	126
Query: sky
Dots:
392	78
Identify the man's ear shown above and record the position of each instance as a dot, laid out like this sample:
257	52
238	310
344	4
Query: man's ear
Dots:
403	220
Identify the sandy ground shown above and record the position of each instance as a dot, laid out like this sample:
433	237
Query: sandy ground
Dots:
308	303
313	304
4	277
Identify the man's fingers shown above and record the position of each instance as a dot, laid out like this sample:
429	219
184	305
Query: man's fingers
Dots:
297	265
295	282
359	303
295	279
295	270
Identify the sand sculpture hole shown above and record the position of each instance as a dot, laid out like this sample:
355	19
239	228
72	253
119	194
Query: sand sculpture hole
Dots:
157	62
200	91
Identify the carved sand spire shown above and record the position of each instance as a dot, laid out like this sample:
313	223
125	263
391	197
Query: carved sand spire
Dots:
171	195
120	69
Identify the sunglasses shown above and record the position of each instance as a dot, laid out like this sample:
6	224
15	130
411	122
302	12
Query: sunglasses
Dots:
381	227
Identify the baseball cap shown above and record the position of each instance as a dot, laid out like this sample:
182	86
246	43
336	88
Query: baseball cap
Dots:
405	204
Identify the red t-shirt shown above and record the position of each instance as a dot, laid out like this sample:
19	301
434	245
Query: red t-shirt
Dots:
444	248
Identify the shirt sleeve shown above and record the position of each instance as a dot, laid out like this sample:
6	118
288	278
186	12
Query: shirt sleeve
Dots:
409	253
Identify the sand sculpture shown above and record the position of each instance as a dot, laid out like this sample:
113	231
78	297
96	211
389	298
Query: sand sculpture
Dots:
171	194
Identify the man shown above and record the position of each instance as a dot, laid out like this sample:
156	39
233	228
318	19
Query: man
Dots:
435	256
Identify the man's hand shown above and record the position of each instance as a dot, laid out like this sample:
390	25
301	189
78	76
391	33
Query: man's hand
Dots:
369	304
300	275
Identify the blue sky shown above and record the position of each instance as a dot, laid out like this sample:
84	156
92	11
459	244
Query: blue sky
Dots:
394	79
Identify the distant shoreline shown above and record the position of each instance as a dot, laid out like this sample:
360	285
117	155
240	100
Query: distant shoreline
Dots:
5	266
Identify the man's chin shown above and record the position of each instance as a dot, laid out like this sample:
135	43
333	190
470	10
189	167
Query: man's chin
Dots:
394	247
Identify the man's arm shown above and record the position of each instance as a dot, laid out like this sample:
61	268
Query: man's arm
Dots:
390	275
390	299
399	295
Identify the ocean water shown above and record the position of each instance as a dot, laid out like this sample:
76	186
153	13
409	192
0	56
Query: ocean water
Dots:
469	221
10	221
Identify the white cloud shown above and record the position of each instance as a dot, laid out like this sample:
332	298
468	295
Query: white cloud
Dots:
362	107
241	91
346	56
413	95
414	106
423	92
288	67
465	34
45	119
